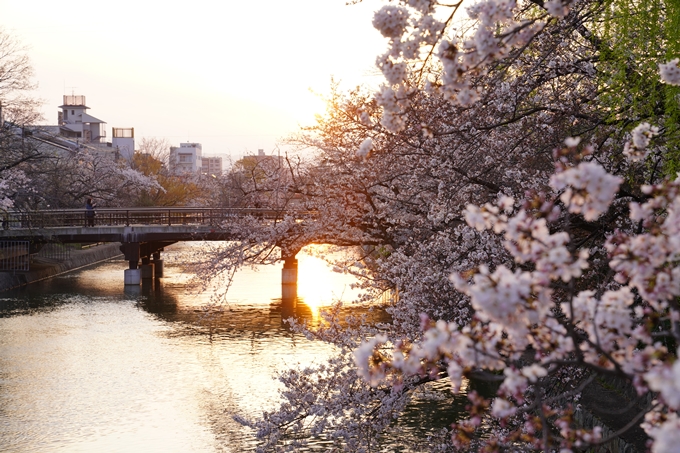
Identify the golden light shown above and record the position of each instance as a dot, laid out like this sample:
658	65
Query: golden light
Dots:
315	285
318	285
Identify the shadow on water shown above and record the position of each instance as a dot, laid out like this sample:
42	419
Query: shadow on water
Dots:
432	408
218	319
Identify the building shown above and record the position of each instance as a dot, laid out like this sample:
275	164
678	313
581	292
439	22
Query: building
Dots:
212	166
76	124
123	141
187	158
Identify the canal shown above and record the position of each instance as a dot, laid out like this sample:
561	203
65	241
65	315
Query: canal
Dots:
86	365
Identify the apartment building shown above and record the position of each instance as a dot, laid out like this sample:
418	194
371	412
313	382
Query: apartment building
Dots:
212	166
187	158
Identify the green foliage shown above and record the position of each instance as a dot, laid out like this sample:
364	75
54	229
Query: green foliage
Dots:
635	36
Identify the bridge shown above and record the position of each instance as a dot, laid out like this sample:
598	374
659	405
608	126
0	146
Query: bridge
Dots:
142	232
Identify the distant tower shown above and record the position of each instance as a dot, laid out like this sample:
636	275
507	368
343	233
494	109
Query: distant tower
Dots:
75	123
124	141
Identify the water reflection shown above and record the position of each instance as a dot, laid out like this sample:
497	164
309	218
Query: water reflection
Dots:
222	319
87	364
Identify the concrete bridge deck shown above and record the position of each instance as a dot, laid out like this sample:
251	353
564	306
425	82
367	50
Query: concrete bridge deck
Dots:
13	222
143	232
105	233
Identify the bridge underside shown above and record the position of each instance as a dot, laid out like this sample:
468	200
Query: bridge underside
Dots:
138	243
143	244
143	233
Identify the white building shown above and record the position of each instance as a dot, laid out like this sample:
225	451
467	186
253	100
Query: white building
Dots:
76	124
186	158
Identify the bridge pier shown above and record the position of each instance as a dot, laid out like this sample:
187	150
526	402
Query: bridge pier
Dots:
146	268
149	269
132	291
157	265
289	275
133	276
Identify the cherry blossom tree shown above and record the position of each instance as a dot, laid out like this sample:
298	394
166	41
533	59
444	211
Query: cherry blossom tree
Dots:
17	109
590	291
508	180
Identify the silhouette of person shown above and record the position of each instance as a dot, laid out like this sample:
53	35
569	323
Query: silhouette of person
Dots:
89	213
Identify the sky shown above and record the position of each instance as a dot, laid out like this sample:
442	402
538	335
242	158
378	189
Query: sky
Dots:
235	76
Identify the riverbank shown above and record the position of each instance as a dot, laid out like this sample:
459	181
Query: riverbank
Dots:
42	268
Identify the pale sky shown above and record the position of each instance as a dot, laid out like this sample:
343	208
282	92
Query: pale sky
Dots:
232	75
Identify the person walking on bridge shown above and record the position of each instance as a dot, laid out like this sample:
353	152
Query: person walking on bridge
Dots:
89	212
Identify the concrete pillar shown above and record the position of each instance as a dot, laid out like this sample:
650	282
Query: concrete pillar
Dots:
146	271
289	275
131	251
147	287
288	293
133	291
133	276
146	268
157	265
157	268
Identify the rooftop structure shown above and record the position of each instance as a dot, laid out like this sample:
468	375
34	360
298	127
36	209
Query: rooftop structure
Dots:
123	141
77	124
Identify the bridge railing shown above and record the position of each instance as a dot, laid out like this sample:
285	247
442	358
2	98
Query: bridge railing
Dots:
133	216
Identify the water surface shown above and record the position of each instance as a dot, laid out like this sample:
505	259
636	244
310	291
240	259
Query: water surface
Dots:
88	365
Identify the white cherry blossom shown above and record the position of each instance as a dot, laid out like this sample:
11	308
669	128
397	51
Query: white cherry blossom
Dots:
670	72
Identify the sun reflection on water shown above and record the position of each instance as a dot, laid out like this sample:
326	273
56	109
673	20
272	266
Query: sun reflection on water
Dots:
88	364
319	286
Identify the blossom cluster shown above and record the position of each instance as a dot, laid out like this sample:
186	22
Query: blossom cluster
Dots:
636	148
11	181
647	261
588	189
608	329
416	33
670	72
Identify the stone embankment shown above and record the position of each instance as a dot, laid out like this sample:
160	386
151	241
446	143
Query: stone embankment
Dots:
42	268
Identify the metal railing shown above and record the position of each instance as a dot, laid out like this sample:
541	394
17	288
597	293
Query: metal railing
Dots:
134	216
55	251
14	255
